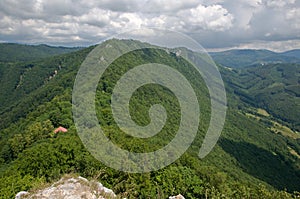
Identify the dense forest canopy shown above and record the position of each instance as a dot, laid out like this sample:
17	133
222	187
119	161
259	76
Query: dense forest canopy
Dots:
257	155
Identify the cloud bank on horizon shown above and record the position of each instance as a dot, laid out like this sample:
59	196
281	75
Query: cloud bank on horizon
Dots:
271	24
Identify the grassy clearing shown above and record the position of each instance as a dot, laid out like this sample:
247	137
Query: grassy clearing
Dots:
284	130
263	112
293	152
276	127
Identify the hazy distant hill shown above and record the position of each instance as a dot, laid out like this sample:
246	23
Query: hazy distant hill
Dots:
292	53
247	57
10	52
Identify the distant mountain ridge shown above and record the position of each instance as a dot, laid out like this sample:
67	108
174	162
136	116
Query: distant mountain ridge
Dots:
292	53
247	57
11	52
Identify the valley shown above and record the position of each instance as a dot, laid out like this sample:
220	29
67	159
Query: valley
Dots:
257	155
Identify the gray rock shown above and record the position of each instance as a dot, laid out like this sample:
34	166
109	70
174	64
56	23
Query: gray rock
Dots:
177	197
21	194
74	188
71	188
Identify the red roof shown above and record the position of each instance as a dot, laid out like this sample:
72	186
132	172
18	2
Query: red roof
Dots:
60	129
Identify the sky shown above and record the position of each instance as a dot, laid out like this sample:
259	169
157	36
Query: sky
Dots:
215	24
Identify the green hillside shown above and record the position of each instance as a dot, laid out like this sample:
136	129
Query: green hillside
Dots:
10	52
24	85
250	160
273	87
247	57
292	53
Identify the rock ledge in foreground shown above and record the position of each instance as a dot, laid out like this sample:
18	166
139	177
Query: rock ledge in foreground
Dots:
71	188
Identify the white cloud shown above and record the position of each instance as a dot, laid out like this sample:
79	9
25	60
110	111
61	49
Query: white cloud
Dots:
293	16
96	17
279	3
214	18
214	23
168	7
119	5
276	46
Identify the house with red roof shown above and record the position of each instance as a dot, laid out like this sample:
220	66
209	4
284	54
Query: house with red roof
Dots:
60	129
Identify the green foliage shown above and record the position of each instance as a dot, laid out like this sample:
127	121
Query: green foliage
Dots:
144	97
242	164
18	52
27	85
247	57
274	87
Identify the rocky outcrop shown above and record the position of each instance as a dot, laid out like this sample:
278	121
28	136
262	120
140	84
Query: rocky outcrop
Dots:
177	197
71	188
21	194
74	188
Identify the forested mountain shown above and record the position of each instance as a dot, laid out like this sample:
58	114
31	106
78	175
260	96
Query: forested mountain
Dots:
22	83
11	52
292	53
273	87
257	155
247	57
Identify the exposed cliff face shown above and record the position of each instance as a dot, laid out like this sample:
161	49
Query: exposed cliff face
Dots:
71	188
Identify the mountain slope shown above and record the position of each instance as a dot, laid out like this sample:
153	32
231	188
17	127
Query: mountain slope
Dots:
292	53
247	57
273	87
249	161
23	83
10	52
